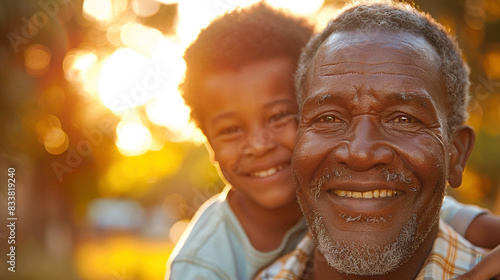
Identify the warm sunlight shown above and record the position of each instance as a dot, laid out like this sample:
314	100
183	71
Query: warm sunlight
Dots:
84	61
115	257
140	38
81	67
103	10
191	21
126	80
298	7
133	138
323	16
145	8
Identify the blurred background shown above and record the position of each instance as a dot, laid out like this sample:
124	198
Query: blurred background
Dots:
108	168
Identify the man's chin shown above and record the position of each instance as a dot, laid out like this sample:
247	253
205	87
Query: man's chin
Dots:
362	259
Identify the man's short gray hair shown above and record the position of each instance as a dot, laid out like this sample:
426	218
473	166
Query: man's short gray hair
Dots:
387	15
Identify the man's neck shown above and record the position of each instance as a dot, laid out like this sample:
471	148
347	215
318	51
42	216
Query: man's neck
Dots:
321	270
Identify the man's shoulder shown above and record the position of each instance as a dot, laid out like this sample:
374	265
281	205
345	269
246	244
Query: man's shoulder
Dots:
451	255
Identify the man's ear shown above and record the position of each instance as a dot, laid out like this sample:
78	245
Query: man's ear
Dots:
460	150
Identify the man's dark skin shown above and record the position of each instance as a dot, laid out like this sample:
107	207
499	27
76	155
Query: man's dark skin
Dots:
374	119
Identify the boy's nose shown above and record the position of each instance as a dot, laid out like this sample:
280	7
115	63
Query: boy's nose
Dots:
259	142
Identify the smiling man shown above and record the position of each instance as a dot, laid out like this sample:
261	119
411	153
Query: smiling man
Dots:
383	93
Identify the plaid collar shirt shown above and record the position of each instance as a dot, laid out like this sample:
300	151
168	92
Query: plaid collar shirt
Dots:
451	256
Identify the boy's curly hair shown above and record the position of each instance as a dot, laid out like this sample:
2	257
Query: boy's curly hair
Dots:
237	39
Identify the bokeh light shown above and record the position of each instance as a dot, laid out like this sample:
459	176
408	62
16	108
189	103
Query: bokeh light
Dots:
124	80
192	20
116	257
51	135
139	37
82	68
145	8
56	141
37	59
134	176
103	10
133	138
298	7
492	63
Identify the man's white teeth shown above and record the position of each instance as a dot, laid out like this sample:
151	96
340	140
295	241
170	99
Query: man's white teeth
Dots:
267	172
369	194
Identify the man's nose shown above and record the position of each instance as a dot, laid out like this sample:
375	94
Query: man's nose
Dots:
364	146
259	142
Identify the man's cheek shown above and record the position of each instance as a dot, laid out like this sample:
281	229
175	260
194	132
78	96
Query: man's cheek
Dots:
309	147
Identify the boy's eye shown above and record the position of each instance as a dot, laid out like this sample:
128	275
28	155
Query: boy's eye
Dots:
278	116
281	118
229	130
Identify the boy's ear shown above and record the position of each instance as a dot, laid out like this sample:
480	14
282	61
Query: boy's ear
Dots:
460	150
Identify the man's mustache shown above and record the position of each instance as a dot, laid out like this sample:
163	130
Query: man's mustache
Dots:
340	174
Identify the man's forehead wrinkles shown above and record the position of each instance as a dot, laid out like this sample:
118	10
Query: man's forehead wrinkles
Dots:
332	66
408	53
365	63
366	73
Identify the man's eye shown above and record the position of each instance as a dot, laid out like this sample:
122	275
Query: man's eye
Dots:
405	119
328	119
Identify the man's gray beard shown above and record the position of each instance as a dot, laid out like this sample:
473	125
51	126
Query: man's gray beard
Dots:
363	259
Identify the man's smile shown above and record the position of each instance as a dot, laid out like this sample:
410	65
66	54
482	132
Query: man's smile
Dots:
379	193
379	202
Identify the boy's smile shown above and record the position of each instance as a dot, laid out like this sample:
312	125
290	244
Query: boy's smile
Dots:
250	119
269	172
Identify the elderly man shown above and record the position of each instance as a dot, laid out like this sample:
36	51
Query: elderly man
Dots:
383	92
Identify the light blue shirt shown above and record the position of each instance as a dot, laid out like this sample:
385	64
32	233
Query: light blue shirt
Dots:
458	215
215	246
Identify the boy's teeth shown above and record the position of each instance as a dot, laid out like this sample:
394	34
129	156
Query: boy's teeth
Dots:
368	194
268	172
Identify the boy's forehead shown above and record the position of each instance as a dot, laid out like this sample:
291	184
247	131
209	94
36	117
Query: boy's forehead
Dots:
275	73
261	82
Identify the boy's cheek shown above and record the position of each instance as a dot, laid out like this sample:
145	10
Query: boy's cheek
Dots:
287	135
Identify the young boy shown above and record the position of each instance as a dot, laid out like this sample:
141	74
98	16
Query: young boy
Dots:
239	85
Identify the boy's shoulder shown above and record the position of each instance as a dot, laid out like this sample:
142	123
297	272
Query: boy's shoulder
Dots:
211	239
214	227
211	220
